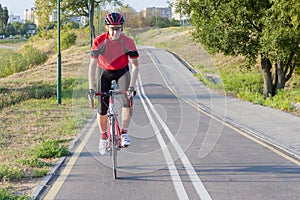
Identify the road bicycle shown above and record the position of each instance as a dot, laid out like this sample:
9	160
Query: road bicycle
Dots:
113	132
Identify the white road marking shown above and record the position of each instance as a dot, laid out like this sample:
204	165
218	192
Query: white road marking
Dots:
181	193
64	174
198	185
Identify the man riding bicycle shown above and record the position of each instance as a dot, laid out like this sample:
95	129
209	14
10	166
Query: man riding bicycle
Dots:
111	52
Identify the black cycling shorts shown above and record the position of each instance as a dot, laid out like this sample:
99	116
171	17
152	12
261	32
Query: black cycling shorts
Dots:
105	77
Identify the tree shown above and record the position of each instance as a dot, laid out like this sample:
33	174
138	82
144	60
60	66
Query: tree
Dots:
43	11
3	18
132	19
257	29
81	7
280	42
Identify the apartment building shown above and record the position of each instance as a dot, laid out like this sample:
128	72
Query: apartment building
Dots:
179	15
158	12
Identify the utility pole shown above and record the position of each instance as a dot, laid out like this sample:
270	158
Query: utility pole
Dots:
58	55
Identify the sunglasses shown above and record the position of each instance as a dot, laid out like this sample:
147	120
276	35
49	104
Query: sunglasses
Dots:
115	28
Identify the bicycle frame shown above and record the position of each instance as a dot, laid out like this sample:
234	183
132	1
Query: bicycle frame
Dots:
114	132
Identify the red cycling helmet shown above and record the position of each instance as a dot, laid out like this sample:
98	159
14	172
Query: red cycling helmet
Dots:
114	19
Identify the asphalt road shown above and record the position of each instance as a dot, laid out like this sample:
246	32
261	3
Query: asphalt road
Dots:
179	150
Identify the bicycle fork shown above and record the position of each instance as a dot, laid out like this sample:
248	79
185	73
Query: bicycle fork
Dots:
114	129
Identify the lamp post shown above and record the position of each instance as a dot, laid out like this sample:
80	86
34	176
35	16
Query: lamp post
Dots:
91	15
99	20
58	55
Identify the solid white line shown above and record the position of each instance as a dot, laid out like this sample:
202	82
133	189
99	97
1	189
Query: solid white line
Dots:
64	174
180	190
198	185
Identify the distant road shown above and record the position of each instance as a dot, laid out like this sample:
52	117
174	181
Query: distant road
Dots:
6	47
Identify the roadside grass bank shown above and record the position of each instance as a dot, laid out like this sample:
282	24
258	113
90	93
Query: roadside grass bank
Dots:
35	130
222	73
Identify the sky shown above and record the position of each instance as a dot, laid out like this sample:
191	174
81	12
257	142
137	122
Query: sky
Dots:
17	7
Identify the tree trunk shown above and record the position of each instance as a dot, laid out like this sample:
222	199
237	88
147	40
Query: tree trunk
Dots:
281	77
266	67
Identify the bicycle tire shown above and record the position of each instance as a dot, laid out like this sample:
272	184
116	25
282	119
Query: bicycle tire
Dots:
113	147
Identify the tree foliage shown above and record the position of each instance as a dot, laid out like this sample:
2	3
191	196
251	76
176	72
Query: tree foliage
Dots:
3	18
264	29
81	7
43	11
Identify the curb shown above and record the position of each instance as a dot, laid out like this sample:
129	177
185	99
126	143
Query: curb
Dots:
36	194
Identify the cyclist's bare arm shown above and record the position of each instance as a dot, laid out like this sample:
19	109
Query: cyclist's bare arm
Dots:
92	72
134	71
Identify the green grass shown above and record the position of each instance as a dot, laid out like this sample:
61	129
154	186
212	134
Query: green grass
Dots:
8	172
50	149
9	195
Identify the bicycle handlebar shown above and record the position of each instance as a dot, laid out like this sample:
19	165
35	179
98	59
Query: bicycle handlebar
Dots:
113	92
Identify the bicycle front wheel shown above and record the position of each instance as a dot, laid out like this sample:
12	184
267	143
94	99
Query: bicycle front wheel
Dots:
113	147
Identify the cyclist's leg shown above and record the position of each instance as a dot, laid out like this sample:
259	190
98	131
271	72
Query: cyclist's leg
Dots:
103	86
123	84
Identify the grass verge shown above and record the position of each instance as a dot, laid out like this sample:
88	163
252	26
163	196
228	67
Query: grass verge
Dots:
35	130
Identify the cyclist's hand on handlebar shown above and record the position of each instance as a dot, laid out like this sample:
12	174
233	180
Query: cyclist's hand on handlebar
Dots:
131	94
91	96
131	91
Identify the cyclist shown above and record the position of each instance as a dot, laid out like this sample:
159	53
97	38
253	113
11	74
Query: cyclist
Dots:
111	52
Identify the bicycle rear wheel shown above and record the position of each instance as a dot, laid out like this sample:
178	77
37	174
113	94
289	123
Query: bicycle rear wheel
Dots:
113	147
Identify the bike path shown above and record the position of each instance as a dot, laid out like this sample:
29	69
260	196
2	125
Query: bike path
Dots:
247	117
275	127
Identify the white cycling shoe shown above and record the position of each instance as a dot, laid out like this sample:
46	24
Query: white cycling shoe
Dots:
125	140
103	146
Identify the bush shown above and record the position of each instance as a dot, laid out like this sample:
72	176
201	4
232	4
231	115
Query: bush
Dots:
33	162
68	39
8	195
33	56
281	100
12	61
50	149
10	172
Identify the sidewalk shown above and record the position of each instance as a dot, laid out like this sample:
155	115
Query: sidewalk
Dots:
275	127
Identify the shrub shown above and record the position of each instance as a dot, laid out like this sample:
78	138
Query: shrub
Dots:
33	56
33	162
8	195
68	39
50	149
10	172
13	61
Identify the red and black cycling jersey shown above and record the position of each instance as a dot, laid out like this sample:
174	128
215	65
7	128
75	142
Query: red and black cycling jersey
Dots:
113	55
